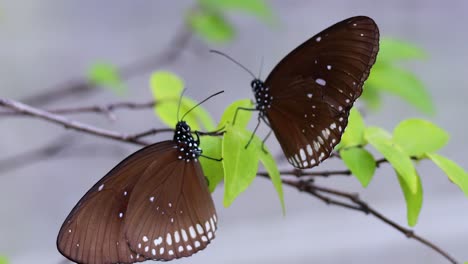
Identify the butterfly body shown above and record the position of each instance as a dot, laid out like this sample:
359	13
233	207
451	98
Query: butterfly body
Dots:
188	147
307	97
263	98
154	205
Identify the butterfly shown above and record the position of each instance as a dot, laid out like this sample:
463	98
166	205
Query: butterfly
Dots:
154	205
307	97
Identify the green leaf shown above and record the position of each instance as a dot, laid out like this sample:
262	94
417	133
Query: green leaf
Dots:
213	170
240	164
107	75
243	117
211	26
401	162
393	50
354	132
414	199
360	162
455	173
3	260
272	168
166	88
403	84
258	8
417	137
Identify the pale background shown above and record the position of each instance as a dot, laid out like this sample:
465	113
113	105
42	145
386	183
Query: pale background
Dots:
43	43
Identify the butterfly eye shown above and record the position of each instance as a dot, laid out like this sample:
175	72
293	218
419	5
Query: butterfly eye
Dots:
254	84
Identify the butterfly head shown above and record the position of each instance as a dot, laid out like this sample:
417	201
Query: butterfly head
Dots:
257	85
188	146
263	98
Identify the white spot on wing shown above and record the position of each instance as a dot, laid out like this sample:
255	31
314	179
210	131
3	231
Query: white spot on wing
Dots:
329	67
318	39
169	239
212	224
184	235
145	239
101	187
316	146
309	95
176	237
320	81
193	234
151	199
161	251
322	155
153	251
320	140
158	241
302	153
309	150
181	248
200	229
197	244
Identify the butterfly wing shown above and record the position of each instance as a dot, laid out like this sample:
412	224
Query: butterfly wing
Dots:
174	219
315	86
93	231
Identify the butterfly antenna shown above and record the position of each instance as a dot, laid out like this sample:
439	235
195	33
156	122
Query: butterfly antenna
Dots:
180	103
261	68
206	99
233	60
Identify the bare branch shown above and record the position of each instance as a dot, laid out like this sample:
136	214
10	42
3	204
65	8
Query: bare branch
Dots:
359	205
99	109
70	124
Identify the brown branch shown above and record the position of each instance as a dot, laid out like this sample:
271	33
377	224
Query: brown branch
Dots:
99	109
70	124
307	173
83	86
359	205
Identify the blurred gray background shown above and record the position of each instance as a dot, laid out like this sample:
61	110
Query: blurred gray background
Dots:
44	43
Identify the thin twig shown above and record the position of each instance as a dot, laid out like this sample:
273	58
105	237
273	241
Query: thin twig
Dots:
360	205
83	86
99	109
70	124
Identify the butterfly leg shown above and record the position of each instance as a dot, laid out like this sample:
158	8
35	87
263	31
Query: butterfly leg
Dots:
217	132
210	158
253	133
264	140
241	108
